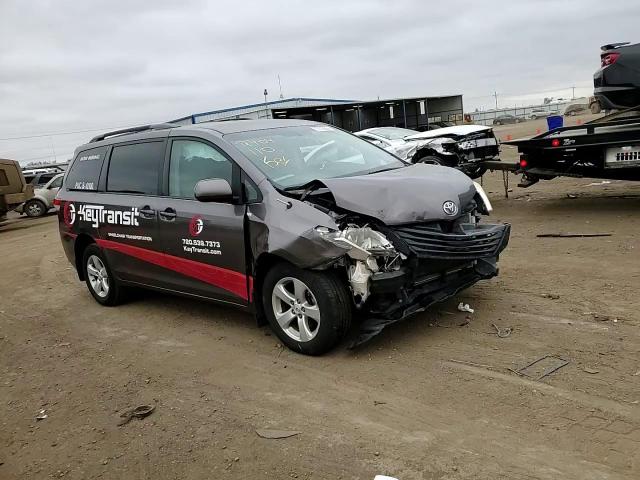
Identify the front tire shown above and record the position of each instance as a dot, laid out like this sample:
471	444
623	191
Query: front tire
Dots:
102	285
34	208
309	311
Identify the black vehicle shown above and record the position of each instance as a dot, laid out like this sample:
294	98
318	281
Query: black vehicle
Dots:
299	222
506	119
608	147
617	82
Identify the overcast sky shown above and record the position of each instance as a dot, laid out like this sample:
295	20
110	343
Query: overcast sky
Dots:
78	65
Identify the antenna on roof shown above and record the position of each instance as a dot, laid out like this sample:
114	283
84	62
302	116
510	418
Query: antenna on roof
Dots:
280	85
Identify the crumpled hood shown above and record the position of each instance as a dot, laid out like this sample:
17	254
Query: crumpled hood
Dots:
405	195
443	132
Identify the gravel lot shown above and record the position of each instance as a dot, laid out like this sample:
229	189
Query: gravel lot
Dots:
427	399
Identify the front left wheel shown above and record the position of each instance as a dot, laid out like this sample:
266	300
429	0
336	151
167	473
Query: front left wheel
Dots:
309	311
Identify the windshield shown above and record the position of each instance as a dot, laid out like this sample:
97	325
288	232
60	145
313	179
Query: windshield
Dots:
293	156
392	133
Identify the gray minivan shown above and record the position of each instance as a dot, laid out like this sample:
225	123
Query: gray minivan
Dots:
299	222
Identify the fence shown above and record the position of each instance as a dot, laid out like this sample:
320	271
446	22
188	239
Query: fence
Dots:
487	117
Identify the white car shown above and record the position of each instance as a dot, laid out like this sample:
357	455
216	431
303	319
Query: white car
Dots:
42	200
461	146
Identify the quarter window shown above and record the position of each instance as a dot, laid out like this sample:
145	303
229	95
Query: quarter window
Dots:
192	161
135	168
85	171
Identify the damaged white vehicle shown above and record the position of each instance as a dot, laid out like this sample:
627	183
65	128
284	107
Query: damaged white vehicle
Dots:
464	147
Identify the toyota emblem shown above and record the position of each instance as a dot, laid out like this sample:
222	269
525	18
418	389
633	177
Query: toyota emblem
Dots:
450	208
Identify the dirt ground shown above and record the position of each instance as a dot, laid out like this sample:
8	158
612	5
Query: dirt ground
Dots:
426	399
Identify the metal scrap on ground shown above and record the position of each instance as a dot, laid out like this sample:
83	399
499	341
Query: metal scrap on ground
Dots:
572	235
541	367
275	434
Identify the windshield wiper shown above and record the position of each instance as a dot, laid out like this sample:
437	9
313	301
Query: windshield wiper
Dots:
383	170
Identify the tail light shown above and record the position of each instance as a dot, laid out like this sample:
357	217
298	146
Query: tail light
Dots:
555	142
607	59
523	162
56	201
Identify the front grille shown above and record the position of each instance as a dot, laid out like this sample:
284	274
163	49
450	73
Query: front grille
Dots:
475	241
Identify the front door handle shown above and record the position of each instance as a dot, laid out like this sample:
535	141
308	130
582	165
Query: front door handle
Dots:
147	212
168	214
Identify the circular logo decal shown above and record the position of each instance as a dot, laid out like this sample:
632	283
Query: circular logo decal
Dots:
196	225
450	208
69	214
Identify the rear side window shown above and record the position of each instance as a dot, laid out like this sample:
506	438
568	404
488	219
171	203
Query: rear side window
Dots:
85	171
4	181
57	183
44	179
135	168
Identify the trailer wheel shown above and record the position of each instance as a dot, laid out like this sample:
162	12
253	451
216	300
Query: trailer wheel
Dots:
595	108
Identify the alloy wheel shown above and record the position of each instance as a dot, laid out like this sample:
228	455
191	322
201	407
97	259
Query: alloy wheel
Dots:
296	309
98	276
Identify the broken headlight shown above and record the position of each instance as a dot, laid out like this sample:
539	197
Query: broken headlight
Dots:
371	252
361	242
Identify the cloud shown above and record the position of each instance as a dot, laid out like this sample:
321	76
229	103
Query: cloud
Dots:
69	65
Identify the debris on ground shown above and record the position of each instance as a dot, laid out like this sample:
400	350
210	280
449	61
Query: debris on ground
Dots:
467	321
595	184
378	402
592	371
637	373
572	195
572	235
384	477
275	434
41	415
502	332
63	344
139	412
552	296
464	307
541	367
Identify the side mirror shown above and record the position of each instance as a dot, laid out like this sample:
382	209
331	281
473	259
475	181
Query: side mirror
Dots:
213	190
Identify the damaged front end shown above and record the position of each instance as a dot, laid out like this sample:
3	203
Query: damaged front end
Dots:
395	271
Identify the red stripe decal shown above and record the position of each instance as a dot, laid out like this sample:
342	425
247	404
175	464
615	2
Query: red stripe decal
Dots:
229	280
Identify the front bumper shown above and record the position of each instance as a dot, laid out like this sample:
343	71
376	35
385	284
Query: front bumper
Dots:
436	274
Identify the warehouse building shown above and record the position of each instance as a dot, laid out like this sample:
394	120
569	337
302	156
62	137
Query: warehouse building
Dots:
415	112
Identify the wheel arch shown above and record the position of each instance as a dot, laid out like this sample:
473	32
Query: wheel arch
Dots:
81	243
263	264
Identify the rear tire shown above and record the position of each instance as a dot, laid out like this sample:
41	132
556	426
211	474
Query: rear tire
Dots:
34	208
595	108
314	308
102	285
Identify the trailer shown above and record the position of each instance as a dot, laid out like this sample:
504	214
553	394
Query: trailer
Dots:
608	147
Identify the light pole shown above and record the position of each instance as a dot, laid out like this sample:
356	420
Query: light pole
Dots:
266	112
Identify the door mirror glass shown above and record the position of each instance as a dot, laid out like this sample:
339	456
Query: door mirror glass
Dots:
213	190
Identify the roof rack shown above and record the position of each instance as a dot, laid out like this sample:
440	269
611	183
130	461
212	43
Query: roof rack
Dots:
124	131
